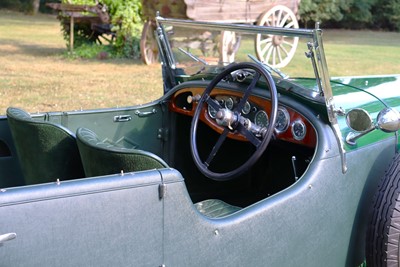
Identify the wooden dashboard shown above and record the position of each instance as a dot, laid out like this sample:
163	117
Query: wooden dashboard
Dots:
291	126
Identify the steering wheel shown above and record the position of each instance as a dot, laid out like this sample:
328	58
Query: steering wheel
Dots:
234	123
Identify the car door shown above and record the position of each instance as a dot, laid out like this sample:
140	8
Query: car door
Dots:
102	221
141	127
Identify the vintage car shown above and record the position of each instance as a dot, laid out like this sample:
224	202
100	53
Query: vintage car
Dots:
237	164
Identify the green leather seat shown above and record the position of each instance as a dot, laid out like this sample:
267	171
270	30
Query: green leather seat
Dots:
46	151
103	158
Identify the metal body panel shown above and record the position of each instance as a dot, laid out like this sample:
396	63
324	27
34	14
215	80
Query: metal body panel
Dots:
316	221
104	221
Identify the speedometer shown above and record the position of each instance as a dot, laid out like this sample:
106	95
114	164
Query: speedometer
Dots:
261	119
282	120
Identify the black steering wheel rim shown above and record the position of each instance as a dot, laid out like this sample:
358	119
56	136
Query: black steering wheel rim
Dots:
203	166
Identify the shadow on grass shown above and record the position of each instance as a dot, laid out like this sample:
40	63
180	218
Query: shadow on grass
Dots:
10	46
37	50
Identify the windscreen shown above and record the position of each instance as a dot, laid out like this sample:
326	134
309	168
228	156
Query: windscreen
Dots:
198	50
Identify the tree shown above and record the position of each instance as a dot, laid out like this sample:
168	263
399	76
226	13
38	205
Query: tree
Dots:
322	10
387	14
35	6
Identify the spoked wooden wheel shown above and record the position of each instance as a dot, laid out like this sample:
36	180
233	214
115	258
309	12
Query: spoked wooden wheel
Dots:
277	50
228	46
148	44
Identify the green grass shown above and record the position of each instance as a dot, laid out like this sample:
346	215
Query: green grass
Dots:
362	52
36	75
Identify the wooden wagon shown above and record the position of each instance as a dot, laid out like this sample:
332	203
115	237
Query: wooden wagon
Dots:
94	20
276	51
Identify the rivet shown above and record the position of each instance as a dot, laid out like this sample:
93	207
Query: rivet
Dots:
58	181
216	232
310	186
122	172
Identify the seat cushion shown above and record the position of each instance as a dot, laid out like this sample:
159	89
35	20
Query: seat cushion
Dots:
215	208
103	158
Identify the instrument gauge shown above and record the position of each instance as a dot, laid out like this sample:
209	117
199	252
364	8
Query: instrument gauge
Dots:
282	120
212	112
229	103
299	130
261	118
246	109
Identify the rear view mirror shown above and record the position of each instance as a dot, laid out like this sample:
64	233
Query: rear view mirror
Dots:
359	120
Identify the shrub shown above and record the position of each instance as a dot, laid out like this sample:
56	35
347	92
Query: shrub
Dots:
127	25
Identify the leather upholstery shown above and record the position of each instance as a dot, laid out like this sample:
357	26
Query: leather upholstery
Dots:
46	151
103	158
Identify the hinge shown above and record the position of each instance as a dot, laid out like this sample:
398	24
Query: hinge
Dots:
162	134
162	188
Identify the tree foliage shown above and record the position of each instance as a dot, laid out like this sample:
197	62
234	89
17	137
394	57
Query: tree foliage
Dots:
355	14
322	10
126	18
387	15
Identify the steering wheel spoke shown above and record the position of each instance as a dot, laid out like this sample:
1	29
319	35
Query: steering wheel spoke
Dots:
247	94
216	147
250	136
213	103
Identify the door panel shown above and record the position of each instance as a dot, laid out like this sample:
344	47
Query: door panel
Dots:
103	221
136	127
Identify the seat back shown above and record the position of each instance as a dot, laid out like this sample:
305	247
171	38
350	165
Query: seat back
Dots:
46	151
103	158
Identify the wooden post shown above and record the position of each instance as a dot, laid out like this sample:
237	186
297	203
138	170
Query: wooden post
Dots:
71	34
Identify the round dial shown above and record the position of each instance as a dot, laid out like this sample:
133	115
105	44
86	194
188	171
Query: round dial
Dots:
299	130
261	119
212	112
247	107
282	120
229	103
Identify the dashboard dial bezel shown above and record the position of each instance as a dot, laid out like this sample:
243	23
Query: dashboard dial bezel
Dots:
282	120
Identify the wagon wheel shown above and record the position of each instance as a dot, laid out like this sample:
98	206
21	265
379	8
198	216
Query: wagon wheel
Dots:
229	45
148	44
274	50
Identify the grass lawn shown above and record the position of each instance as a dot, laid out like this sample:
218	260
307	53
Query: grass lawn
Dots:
35	74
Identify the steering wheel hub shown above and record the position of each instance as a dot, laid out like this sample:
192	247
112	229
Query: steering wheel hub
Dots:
227	118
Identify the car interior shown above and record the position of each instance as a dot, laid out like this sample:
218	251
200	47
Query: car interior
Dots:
88	152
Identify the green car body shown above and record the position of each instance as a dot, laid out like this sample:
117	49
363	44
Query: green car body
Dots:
306	200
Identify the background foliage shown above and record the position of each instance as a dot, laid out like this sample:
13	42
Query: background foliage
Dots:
352	14
126	24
